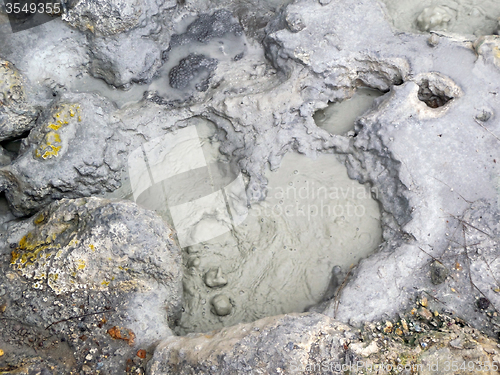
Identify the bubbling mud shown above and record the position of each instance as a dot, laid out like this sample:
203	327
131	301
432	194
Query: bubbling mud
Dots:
280	258
242	262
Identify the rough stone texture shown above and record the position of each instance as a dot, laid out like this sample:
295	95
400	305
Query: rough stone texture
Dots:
124	41
268	346
86	273
123	59
314	344
266	113
17	115
27	365
106	17
207	27
52	55
192	68
5	157
417	147
488	47
72	152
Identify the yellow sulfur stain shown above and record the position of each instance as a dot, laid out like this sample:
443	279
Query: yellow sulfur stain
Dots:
497	52
54	152
81	264
53	137
52	142
28	249
39	219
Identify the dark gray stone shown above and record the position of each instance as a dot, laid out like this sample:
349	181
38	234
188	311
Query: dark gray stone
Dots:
193	70
439	272
207	27
73	151
17	114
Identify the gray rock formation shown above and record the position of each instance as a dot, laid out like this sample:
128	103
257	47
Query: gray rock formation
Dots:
192	68
124	58
17	114
73	151
106	17
281	344
123	37
100	276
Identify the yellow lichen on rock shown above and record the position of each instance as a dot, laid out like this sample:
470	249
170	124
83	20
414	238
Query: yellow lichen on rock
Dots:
27	250
51	143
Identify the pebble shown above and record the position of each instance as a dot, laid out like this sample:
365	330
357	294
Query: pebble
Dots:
214	278
433	40
439	272
221	305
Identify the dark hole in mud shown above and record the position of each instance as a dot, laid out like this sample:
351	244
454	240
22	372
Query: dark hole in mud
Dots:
432	96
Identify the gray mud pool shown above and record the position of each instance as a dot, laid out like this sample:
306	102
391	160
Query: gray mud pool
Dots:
249	186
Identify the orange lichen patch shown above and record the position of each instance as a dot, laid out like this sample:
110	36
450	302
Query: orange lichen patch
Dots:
92	247
120	333
141	353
